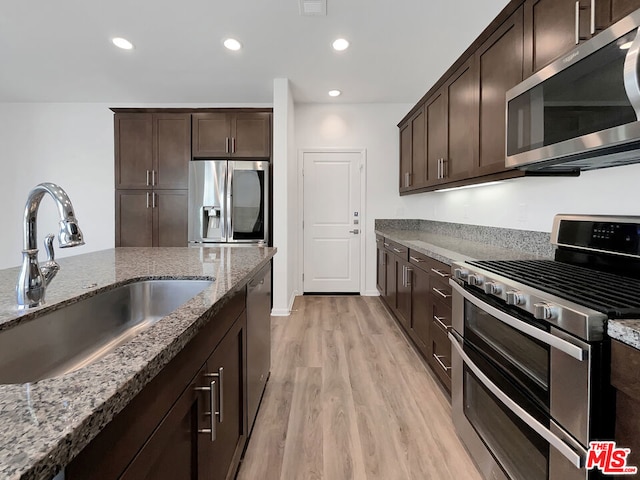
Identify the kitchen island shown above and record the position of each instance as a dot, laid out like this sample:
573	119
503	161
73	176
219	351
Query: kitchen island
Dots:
47	423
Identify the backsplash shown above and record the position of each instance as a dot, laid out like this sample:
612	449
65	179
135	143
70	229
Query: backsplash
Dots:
537	243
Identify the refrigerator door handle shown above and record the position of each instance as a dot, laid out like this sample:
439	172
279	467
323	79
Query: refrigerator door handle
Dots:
229	223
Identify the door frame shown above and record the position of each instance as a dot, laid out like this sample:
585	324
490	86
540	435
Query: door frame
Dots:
363	217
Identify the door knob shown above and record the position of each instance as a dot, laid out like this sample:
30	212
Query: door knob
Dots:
356	231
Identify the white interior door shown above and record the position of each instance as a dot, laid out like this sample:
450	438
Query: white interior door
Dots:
332	221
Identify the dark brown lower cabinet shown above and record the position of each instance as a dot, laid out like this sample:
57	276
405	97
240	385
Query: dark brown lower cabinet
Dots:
419	296
381	266
165	431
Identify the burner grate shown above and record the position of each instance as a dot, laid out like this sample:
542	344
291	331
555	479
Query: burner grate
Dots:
615	295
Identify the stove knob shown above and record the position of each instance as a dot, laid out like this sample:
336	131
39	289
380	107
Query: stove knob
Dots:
492	288
544	311
475	279
514	297
461	273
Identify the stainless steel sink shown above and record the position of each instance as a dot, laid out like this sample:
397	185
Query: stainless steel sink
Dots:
76	335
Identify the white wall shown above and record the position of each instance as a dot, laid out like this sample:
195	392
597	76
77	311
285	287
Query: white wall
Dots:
284	192
369	126
67	144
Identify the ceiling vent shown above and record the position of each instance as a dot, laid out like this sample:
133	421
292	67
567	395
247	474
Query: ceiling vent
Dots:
313	8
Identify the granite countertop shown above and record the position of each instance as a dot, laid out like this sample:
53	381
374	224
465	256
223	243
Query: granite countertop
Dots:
627	331
47	423
448	249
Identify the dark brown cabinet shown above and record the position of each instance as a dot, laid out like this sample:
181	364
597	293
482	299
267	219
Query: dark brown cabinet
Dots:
617	9
151	218
436	112
231	135
152	150
421	302
413	152
166	430
381	266
500	65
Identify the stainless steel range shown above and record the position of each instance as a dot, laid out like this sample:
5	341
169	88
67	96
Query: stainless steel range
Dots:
530	352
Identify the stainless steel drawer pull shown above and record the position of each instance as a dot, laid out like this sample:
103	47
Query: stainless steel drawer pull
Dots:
226	145
441	293
592	30
440	273
409	272
153	177
147	199
440	322
386	244
147	178
396	250
212	410
153	197
417	260
440	362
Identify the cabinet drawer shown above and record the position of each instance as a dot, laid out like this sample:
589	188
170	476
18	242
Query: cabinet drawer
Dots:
440	354
439	270
379	241
440	289
441	316
396	249
420	260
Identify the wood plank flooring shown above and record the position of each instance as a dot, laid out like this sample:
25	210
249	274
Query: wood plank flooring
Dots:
348	398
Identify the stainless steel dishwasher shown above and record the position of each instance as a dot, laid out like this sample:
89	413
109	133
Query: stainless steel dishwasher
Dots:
258	339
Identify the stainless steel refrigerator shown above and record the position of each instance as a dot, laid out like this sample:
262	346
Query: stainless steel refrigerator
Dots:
228	201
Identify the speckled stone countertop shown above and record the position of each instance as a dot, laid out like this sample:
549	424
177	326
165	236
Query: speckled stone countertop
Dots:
47	423
627	331
449	249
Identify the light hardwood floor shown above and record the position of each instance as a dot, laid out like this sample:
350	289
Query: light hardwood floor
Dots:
348	398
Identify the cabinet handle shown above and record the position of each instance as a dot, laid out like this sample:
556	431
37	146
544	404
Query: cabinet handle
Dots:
220	395
212	408
438	272
445	171
407	179
386	244
440	362
441	323
147	199
417	260
233	144
593	17
439	175
408	275
153	178
153	199
396	250
226	145
441	293
577	22
147	178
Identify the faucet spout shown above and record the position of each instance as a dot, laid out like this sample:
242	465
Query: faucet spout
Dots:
33	280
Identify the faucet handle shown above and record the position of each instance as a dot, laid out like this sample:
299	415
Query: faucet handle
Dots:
48	247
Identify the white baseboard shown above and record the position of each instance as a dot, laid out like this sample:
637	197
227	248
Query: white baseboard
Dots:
283	312
370	293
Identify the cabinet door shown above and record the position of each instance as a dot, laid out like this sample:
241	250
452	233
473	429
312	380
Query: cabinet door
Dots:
133	149
403	292
436	116
500	65
211	135
170	211
405	156
620	8
418	150
220	458
251	135
171	150
381	271
440	346
390	280
420	309
171	452
462	123
550	31
134	218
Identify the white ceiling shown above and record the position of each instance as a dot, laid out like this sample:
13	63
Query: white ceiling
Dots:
60	50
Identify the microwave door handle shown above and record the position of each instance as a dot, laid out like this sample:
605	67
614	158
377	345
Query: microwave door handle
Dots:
551	340
631	81
230	201
565	450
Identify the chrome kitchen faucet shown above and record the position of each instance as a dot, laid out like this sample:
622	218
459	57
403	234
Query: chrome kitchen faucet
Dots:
33	279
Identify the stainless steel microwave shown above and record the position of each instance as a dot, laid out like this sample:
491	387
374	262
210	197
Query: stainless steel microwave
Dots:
581	112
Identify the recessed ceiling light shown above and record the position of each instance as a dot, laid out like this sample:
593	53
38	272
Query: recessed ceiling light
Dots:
122	43
334	93
340	44
626	46
232	44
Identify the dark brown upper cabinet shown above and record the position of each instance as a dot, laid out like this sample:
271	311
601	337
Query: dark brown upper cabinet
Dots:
152	150
436	112
231	135
500	65
413	158
617	9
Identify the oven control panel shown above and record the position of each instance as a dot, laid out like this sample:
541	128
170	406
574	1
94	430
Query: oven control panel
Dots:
616	235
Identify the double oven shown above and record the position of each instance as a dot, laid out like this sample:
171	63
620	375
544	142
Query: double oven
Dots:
530	355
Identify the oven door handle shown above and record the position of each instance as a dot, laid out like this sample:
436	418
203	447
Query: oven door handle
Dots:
565	450
569	348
